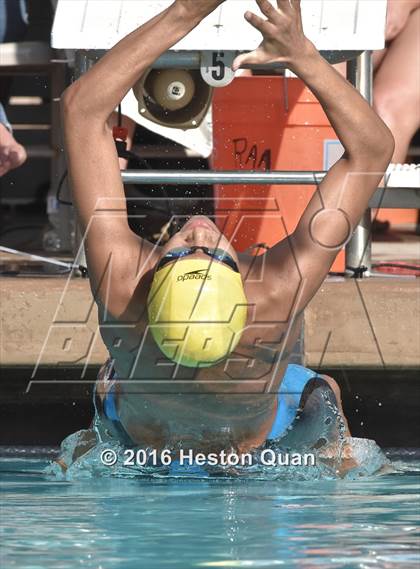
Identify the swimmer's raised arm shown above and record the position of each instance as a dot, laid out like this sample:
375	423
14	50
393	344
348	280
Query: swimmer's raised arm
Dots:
95	178
344	194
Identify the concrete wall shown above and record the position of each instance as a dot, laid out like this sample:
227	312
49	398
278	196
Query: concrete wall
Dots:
368	323
371	323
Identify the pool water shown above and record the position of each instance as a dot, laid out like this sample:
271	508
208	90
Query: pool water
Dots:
136	522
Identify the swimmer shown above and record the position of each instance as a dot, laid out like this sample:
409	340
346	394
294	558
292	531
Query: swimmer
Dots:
199	336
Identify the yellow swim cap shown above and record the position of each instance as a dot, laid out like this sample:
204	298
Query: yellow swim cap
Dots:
197	311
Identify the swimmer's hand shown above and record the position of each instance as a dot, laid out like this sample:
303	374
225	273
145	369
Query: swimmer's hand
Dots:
284	40
198	8
12	154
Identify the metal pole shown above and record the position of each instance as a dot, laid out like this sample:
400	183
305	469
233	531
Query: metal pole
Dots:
84	61
359	248
59	235
398	198
151	177
407	197
173	59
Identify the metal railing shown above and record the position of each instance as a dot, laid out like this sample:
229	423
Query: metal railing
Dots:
385	198
359	248
200	178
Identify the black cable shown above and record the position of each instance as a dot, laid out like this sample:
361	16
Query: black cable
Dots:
358	272
128	155
58	192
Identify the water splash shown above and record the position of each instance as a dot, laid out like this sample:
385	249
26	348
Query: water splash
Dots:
368	461
319	431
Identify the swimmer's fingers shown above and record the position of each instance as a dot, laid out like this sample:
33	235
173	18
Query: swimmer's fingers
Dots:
284	5
263	26
284	41
297	6
268	9
252	58
61	464
292	9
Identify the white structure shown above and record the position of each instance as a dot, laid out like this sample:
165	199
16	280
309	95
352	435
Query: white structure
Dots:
333	25
330	24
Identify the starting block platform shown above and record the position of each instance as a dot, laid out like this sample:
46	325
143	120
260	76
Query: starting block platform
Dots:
331	25
340	30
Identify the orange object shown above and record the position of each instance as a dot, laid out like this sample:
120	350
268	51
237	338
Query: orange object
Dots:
407	217
267	123
120	133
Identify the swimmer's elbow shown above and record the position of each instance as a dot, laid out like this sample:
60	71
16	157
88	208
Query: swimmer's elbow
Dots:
376	155
70	100
75	104
385	145
71	110
391	146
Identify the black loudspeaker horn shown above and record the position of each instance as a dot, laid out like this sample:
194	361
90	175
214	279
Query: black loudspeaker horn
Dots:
176	98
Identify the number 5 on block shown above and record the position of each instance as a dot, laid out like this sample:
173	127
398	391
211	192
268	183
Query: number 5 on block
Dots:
216	67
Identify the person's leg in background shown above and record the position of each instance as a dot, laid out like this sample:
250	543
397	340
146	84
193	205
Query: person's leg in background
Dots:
396	88
13	26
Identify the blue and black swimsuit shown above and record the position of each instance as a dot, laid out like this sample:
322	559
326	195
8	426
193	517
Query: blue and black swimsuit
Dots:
306	413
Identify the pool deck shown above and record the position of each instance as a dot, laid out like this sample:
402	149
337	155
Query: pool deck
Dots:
369	323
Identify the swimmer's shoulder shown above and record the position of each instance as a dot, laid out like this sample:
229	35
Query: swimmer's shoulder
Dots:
123	289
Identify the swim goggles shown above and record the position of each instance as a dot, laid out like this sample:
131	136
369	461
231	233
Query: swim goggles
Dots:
180	252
